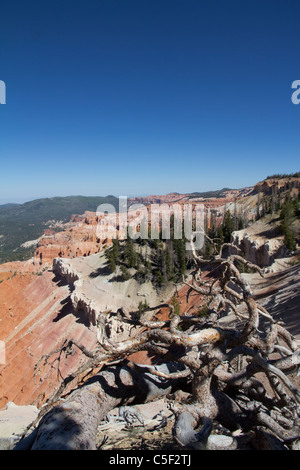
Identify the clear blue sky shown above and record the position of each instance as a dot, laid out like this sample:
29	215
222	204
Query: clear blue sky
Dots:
136	97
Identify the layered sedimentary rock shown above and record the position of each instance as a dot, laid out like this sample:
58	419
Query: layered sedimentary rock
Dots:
36	317
79	238
260	242
41	305
262	253
82	235
270	185
225	195
96	290
40	310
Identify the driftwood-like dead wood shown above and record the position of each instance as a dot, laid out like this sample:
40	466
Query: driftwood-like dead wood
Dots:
72	425
214	360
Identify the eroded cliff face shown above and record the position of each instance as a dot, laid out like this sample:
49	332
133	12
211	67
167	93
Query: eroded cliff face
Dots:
59	293
260	242
35	318
79	238
270	185
64	270
96	290
225	195
261	253
40	309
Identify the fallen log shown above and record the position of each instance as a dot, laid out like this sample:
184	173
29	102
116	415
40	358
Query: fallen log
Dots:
72	424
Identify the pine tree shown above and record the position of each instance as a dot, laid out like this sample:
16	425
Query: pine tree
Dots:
112	255
130	254
180	251
288	212
227	227
168	263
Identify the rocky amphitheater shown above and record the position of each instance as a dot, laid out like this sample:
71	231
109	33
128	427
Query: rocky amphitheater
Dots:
59	293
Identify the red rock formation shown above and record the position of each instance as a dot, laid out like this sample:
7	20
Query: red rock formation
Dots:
267	185
78	239
34	321
227	196
34	315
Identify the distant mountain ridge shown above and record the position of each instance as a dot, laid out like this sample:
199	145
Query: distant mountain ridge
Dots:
185	197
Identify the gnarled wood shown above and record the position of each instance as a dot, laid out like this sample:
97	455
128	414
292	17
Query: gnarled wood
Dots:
72	424
216	364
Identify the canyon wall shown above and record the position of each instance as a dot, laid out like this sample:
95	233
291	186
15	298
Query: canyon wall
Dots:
47	299
35	318
79	238
258	251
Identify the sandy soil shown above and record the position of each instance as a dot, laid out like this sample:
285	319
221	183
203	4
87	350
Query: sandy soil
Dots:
13	421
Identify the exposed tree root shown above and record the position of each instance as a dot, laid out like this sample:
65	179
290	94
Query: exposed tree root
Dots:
216	364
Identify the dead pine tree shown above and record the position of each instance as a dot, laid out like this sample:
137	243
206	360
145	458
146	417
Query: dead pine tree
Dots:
228	383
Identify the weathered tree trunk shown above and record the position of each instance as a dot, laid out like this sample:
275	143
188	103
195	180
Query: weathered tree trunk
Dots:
73	424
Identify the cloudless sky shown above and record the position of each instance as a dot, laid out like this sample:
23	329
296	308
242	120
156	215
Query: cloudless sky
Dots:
136	97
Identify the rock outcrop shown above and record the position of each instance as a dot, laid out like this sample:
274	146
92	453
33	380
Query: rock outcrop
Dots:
258	251
36	317
96	290
60	292
261	243
271	185
79	238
